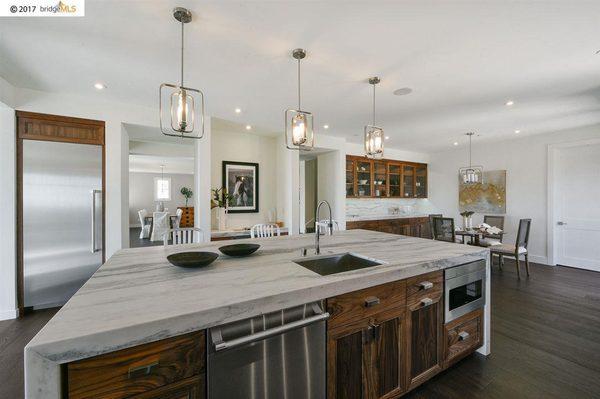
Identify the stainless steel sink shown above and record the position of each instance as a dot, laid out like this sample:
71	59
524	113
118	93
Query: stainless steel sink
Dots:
338	263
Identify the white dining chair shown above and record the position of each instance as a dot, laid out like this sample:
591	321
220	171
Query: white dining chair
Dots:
160	225
178	220
187	235
264	230
323	226
145	233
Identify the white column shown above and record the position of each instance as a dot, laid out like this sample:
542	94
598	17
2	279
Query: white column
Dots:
202	181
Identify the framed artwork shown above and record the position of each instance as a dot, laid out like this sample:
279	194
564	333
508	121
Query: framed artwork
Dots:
241	181
488	197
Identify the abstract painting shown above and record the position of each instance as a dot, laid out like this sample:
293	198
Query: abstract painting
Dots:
241	181
488	197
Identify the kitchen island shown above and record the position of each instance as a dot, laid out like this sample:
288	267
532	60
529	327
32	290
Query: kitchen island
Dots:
137	297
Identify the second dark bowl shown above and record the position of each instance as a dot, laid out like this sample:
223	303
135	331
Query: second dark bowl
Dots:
239	249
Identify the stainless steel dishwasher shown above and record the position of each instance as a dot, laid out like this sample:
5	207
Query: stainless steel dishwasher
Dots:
276	355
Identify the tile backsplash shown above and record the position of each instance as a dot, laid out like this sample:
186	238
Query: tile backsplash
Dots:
370	207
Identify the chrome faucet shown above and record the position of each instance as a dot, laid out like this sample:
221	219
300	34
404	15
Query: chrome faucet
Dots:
317	226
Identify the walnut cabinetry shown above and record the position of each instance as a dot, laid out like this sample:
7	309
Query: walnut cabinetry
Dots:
385	178
414	227
187	216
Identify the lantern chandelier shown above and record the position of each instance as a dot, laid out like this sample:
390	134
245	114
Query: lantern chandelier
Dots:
299	132
471	174
182	100
373	133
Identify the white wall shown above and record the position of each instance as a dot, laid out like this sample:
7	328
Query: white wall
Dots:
141	193
525	162
8	302
246	147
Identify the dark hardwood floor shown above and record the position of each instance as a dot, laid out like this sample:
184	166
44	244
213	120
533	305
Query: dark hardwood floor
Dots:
545	341
135	241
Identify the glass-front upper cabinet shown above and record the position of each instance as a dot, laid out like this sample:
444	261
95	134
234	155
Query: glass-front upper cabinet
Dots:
408	181
350	190
395	178
379	179
421	181
363	178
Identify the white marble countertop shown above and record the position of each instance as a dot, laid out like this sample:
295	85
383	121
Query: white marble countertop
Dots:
138	297
384	217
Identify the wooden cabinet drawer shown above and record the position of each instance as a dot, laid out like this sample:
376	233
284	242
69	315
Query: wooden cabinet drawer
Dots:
190	388
355	309
137	370
462	336
424	287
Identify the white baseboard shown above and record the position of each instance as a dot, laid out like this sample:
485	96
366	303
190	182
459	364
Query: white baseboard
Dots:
538	259
8	314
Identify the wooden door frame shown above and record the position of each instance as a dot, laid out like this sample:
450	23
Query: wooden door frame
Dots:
21	117
551	176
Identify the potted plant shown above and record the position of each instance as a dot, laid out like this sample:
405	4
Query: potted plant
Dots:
187	193
220	199
467	219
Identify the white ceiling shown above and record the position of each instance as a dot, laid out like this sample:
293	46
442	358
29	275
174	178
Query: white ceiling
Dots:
463	60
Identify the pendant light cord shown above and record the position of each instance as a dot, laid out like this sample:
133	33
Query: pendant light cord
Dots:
373	104
182	53
470	149
299	104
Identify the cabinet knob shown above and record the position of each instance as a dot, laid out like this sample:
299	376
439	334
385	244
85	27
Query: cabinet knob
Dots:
426	285
426	301
371	301
463	335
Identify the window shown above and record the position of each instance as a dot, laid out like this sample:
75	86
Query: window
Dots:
162	189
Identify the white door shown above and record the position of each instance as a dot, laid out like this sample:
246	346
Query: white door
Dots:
577	206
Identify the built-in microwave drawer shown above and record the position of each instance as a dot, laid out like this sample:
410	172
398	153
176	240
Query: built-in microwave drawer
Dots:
132	371
462	336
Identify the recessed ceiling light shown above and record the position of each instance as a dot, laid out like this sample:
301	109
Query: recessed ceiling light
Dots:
402	91
100	86
387	137
238	110
517	131
248	127
325	126
456	143
509	103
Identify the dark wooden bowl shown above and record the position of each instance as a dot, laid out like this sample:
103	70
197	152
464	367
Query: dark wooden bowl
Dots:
192	259
239	249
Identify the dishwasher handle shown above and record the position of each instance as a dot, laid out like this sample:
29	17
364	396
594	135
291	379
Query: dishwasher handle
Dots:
222	345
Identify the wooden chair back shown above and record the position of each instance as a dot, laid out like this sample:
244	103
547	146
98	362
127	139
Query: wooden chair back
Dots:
264	230
523	233
443	229
431	216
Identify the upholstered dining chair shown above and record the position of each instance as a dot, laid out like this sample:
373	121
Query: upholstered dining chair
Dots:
517	250
145	233
160	225
187	235
264	230
492	239
443	229
431	216
178	214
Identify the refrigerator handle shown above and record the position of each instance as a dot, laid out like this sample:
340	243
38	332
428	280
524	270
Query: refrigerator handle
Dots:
93	248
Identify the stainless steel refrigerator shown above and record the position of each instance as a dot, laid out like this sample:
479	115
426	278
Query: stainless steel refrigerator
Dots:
62	219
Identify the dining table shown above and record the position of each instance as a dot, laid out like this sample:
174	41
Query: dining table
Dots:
475	235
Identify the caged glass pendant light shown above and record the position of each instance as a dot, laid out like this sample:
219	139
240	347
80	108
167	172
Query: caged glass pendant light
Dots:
471	174
299	133
180	120
374	134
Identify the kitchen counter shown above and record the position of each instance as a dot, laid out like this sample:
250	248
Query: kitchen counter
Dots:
138	297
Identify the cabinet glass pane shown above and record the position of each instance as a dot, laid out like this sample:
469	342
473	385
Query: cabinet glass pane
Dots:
349	181
421	182
363	177
380	180
408	174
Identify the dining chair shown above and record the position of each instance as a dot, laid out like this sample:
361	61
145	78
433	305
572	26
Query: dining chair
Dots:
264	230
160	225
431	216
145	233
324	226
492	239
186	235
443	229
517	250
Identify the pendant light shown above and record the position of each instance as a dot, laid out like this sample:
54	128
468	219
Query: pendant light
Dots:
471	174
373	134
180	100
299	133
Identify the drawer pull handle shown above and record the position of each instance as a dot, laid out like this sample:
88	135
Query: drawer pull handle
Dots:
426	285
426	301
135	372
463	335
371	301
